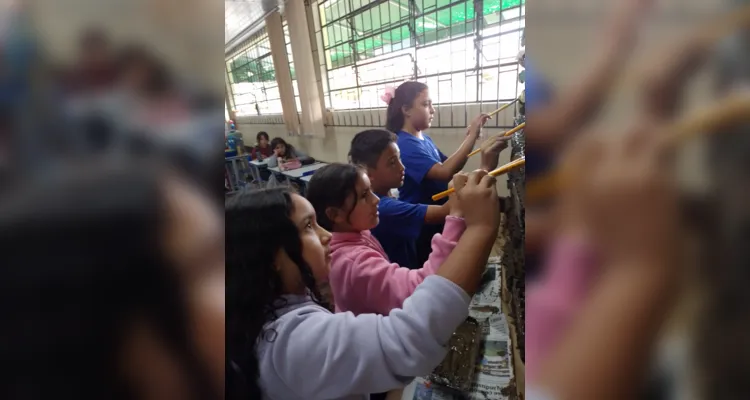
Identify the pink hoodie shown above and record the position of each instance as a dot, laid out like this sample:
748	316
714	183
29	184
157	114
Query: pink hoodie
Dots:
364	281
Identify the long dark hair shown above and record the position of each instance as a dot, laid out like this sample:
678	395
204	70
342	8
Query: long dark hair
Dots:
289	153
82	261
404	97
330	187
258	226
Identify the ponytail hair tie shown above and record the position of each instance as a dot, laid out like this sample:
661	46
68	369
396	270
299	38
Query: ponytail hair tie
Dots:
389	94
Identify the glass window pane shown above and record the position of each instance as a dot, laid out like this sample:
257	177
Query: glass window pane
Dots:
342	78
385	14
375	15
342	5
396	14
428	5
322	13
359	23
345	32
326	38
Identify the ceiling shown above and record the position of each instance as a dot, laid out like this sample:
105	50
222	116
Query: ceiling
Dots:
240	14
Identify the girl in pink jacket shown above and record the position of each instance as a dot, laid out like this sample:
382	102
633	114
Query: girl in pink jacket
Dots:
362	278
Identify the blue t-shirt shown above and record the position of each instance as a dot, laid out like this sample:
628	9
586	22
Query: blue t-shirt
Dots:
418	156
398	230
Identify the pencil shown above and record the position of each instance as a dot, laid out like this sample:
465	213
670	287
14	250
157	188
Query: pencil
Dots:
502	108
499	171
508	133
727	113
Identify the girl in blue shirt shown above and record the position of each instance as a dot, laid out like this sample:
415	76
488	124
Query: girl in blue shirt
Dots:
428	170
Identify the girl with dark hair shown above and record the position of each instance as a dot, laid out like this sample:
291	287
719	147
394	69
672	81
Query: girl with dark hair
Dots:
284	152
428	170
284	344
262	149
112	290
362	278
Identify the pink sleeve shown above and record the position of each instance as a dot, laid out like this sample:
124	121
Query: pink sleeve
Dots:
553	301
376	285
443	244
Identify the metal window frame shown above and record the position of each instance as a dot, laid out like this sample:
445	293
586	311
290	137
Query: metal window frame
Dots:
250	43
418	42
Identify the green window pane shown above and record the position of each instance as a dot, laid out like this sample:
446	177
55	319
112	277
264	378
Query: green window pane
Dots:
385	14
346	32
359	24
375	15
357	4
492	6
462	12
334	10
444	17
367	25
360	46
343	7
419	25
339	33
386	37
405	35
396	13
377	41
428	5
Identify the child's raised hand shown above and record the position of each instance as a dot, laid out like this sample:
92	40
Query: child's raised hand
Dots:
479	202
491	151
475	128
630	197
458	182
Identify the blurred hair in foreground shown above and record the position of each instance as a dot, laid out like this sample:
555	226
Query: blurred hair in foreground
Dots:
111	287
112	278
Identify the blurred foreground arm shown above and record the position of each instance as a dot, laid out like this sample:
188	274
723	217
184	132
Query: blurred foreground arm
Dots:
604	353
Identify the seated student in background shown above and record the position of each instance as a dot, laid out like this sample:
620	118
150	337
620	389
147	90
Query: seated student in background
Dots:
284	152
428	170
362	278
400	222
262	149
282	344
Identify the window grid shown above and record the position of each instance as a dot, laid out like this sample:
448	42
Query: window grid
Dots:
252	77
368	45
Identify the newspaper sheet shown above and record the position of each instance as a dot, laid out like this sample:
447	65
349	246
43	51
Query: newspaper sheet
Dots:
494	368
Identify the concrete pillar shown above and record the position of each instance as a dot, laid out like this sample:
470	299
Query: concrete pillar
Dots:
275	30
316	39
310	93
